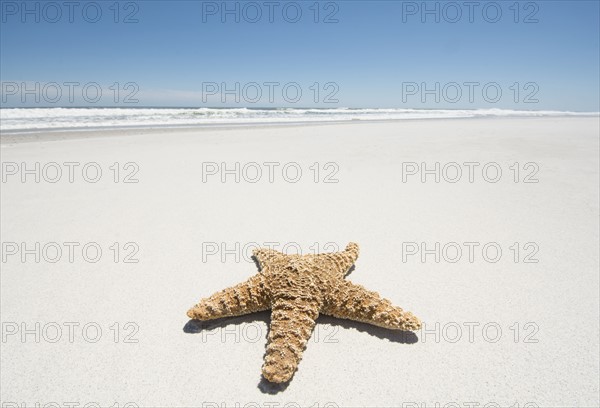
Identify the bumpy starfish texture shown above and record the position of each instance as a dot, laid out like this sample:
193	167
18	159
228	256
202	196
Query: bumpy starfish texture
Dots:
297	288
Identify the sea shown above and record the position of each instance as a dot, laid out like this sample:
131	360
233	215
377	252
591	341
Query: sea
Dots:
16	120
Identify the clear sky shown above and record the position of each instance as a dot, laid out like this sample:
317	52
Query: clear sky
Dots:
539	55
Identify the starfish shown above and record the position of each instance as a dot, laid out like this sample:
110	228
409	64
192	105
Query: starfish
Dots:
297	288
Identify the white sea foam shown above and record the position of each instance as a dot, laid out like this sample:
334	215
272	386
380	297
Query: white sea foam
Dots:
28	119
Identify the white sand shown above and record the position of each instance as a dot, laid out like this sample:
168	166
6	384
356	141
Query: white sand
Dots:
170	213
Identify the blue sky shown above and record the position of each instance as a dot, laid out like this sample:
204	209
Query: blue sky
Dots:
377	54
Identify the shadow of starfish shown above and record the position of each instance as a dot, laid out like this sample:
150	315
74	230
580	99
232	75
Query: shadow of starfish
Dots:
267	387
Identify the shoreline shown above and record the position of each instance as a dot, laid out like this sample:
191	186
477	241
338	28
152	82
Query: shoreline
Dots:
10	137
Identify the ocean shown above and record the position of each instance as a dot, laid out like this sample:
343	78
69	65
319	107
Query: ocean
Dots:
16	120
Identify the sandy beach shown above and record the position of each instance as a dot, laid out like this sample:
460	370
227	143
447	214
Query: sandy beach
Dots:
486	229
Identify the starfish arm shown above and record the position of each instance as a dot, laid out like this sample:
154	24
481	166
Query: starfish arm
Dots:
354	302
340	262
247	297
264	256
292	324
